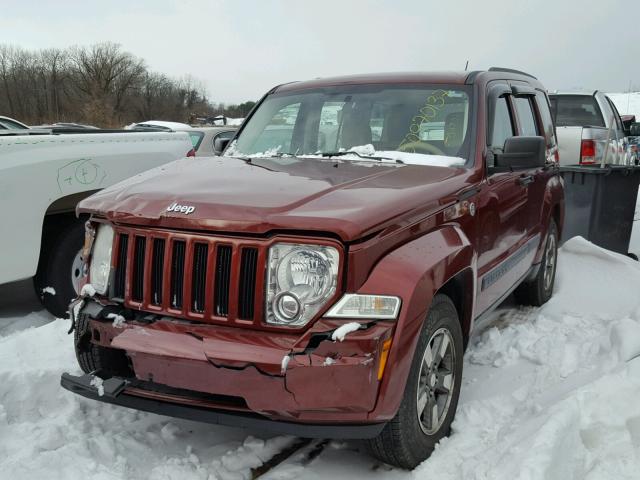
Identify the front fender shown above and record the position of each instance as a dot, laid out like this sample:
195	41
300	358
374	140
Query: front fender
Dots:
414	272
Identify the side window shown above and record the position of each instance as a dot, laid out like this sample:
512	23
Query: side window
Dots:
525	116
196	139
545	115
502	126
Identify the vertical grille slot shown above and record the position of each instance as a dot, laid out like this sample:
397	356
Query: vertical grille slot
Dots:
121	267
157	270
137	281
223	277
177	274
199	277
247	286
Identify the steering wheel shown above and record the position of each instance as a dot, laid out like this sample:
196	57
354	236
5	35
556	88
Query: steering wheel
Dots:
420	147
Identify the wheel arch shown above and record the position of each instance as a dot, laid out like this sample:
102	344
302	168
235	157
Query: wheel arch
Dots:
441	261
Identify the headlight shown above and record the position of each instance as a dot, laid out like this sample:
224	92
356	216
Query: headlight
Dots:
351	305
300	281
100	267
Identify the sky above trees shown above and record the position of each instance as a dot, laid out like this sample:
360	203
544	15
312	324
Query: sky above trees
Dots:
239	49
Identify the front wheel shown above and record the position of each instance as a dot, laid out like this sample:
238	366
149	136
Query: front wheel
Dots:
431	393
58	282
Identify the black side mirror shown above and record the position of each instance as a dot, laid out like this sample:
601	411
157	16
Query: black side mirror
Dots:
219	144
634	129
521	153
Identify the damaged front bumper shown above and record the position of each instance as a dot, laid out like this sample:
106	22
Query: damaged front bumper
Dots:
229	375
115	391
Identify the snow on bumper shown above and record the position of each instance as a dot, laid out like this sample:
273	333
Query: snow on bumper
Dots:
300	378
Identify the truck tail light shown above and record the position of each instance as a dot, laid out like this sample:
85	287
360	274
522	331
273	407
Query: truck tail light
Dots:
556	156
191	153
588	152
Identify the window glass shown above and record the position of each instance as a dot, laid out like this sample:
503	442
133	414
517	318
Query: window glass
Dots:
576	111
330	119
277	134
196	139
545	114
526	117
502	127
421	119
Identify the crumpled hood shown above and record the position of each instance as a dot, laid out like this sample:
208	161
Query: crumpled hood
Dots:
350	199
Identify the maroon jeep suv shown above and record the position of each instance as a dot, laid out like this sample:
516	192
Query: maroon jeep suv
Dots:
322	278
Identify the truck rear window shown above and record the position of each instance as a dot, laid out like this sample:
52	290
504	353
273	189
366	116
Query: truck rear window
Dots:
576	111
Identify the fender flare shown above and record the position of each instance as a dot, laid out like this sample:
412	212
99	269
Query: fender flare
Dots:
415	272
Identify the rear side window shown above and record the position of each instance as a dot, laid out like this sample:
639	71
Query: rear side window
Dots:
526	117
576	111
502	127
196	139
545	115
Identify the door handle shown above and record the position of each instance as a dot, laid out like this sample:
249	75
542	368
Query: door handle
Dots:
525	180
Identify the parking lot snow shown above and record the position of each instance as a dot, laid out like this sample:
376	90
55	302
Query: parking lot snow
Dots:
548	393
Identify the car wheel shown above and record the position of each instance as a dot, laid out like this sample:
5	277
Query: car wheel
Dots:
101	361
62	271
431	394
539	290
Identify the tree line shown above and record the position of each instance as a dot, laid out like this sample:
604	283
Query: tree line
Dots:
100	85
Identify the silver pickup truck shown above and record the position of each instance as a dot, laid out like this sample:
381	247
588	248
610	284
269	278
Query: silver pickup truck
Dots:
585	121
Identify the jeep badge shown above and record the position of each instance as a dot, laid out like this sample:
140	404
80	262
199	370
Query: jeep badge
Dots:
186	209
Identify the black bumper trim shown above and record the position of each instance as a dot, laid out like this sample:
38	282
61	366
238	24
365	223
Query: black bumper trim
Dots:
113	394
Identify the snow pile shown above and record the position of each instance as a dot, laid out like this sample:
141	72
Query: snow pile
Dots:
552	393
548	393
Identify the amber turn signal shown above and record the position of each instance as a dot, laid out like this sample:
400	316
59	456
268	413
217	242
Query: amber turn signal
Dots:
386	346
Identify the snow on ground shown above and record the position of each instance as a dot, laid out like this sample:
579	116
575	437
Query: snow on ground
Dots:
548	393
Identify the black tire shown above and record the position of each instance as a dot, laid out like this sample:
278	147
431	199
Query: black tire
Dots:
56	268
89	356
537	291
403	442
101	361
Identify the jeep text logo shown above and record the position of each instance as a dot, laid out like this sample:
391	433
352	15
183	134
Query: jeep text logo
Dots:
186	209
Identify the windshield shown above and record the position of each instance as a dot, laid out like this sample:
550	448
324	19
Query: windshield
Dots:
377	121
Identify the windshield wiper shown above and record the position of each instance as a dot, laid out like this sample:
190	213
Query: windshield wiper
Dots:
351	152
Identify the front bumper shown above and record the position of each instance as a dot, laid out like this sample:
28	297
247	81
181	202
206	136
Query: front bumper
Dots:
115	393
240	374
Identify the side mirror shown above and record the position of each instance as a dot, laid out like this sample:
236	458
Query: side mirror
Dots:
522	152
219	144
634	129
627	120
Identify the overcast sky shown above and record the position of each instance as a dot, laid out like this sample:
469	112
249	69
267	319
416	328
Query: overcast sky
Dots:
241	48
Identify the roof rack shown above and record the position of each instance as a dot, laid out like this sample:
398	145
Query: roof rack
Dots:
511	70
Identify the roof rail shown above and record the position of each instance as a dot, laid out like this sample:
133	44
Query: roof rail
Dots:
511	70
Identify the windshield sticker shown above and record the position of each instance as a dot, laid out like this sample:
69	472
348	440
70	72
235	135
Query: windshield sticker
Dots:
428	113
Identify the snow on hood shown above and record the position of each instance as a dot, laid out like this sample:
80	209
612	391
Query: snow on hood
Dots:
360	154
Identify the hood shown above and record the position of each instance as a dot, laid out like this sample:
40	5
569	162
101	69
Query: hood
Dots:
349	199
